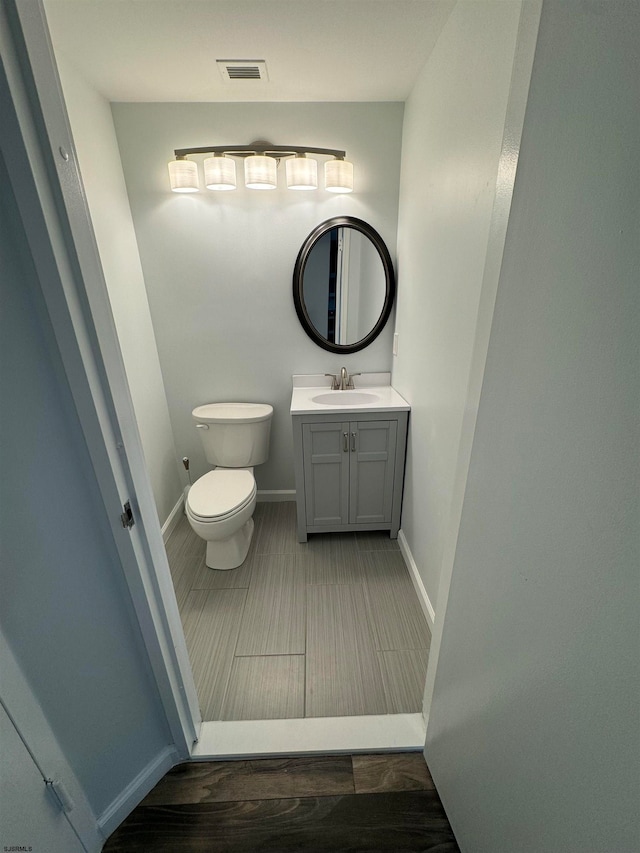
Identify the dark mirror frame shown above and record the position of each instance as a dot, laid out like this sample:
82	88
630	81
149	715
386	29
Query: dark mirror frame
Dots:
298	275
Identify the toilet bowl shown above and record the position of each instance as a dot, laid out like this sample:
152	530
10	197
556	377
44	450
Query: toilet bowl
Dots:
219	508
220	504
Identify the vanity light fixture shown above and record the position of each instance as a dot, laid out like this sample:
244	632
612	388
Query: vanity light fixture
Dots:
302	173
261	160
219	173
183	175
338	176
260	172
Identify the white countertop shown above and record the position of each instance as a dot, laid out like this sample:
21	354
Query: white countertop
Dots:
305	388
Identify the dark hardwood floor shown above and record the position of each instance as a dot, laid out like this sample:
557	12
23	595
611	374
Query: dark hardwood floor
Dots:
345	804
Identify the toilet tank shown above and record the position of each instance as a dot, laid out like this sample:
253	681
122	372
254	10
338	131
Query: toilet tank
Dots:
234	435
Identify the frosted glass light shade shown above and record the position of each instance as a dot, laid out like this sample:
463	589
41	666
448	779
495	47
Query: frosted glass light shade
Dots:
219	173
260	172
338	176
302	173
183	175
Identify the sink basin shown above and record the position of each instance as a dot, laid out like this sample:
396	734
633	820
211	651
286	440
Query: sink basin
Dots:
345	398
311	396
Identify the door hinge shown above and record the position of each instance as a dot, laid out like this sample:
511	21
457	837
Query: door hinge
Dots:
59	794
126	517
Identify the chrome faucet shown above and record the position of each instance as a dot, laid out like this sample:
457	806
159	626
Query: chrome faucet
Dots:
342	381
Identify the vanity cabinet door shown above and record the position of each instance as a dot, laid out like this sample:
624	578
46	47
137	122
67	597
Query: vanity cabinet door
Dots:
326	473
372	446
348	472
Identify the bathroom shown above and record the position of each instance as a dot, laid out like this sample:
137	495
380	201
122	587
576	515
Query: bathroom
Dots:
201	289
517	352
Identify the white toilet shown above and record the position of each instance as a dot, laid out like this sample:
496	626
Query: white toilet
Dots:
235	437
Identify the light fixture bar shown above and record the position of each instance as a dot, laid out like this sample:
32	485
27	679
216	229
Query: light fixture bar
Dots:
259	148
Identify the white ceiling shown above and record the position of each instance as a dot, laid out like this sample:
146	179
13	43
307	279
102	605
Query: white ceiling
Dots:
316	50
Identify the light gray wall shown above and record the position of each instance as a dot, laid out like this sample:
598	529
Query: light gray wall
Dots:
65	607
99	160
533	731
218	266
452	138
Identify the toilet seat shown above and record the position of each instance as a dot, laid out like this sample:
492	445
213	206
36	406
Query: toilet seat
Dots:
221	494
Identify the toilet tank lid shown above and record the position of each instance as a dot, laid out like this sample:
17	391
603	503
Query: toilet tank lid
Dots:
228	413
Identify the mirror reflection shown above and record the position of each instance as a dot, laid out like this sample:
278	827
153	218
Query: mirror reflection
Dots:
343	284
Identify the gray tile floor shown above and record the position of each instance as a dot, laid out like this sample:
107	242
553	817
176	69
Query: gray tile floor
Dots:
331	627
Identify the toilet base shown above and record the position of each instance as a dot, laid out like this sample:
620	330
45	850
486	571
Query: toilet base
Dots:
225	554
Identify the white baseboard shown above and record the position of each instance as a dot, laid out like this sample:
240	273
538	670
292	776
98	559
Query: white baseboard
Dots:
271	495
174	518
427	607
137	790
309	736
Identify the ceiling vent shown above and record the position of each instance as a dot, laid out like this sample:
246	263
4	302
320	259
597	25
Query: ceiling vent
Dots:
233	70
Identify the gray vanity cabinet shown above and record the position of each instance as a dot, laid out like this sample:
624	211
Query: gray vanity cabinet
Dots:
349	471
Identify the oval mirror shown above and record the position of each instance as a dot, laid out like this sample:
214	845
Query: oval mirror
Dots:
343	284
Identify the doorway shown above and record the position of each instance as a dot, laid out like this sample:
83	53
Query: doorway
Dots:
378	707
